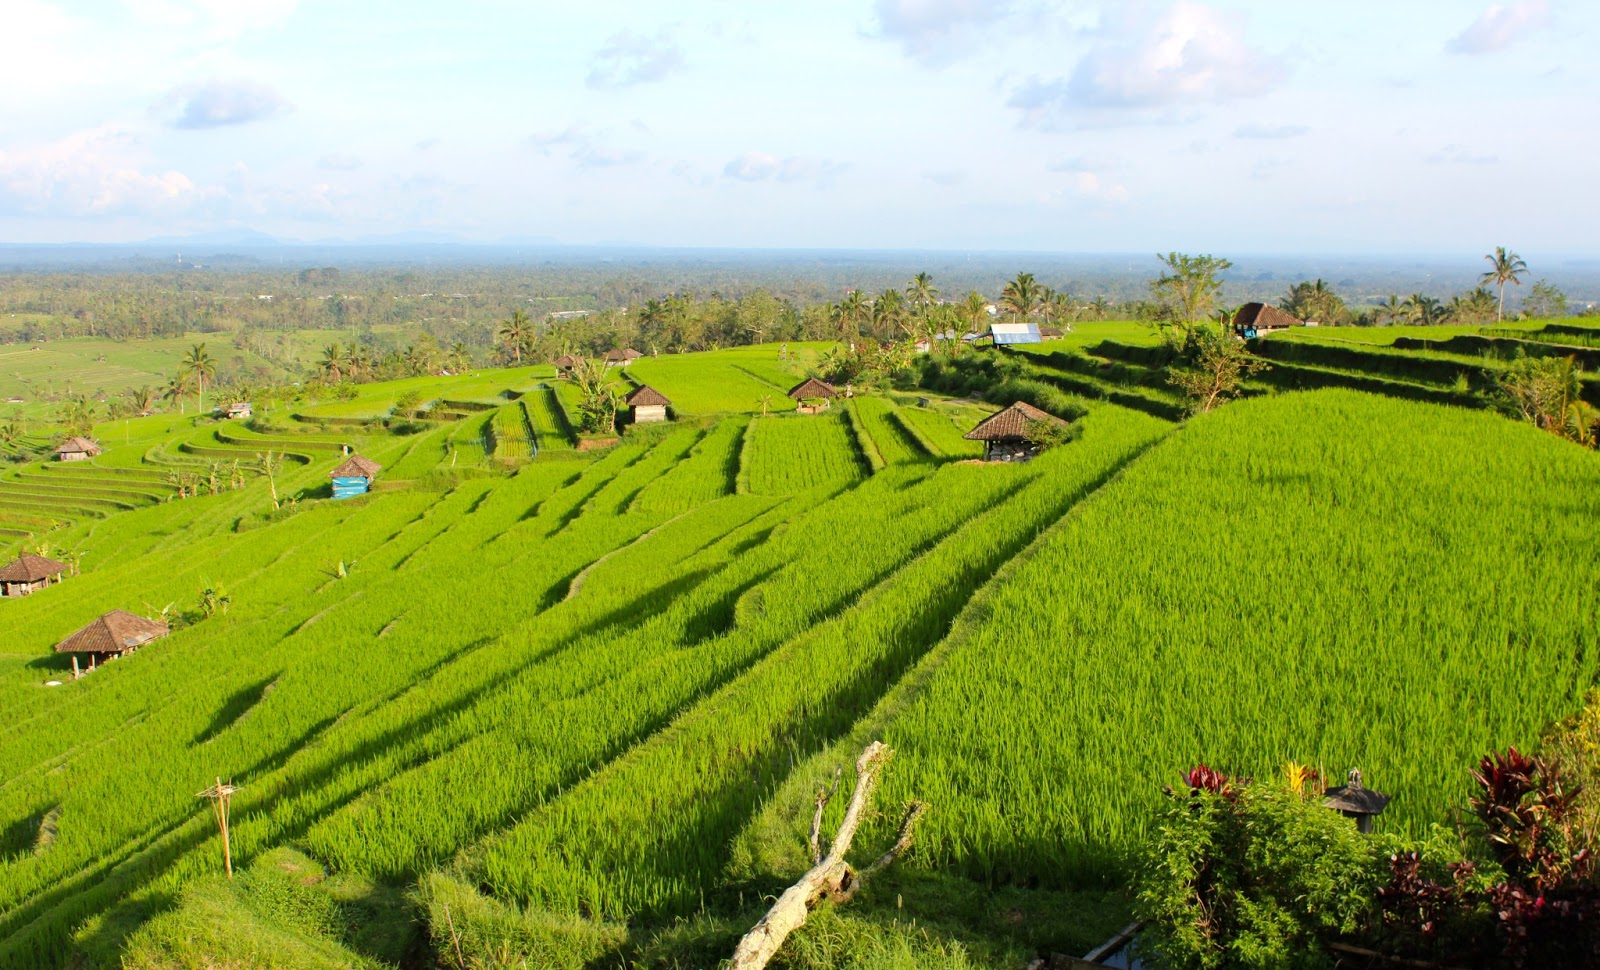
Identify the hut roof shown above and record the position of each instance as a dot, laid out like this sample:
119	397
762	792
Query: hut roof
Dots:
115	632
1011	424
28	568
647	396
626	353
76	444
567	360
1261	316
1007	334
811	388
1051	332
357	467
1353	797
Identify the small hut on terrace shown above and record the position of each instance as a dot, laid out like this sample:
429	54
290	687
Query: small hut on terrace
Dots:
1012	334
648	404
354	477
623	356
29	574
812	395
112	635
239	411
1254	319
567	362
1005	434
77	449
1051	333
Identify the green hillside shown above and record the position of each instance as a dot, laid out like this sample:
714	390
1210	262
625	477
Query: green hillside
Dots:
531	705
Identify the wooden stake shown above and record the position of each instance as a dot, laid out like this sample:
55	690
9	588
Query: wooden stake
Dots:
220	795
75	672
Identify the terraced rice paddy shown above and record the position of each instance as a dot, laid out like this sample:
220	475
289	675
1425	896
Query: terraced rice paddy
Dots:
584	701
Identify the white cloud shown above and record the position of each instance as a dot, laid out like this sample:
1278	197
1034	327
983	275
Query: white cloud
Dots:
629	58
584	148
216	103
1500	26
1190	55
760	167
1270	131
937	31
96	172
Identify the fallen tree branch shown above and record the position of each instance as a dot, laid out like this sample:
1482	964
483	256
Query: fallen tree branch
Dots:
831	876
823	795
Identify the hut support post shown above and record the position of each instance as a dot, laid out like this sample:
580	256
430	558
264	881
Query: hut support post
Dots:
76	673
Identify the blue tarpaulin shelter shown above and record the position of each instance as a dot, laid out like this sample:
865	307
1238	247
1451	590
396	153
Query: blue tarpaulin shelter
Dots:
1008	334
354	477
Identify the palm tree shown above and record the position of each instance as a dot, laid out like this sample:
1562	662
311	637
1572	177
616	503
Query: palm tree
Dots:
1391	311
515	332
887	312
177	389
922	293
142	398
200	365
458	357
1099	308
1423	310
597	396
1021	296
975	311
335	362
1508	267
849	313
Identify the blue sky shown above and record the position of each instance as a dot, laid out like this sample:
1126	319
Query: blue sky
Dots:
1234	127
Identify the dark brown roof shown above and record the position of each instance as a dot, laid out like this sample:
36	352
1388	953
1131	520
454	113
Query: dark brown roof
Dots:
811	388
78	444
1011	424
1263	317
28	568
357	467
567	360
626	353
647	396
115	632
1051	332
1354	798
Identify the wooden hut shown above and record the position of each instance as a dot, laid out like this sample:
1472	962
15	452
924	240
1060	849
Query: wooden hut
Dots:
1254	319
77	449
29	574
354	477
239	411
112	635
812	395
567	362
623	356
1051	333
1005	433
648	404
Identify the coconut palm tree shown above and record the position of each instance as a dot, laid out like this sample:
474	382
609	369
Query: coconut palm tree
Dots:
200	365
1099	308
1508	267
597	396
335	362
515	332
142	399
1022	296
922	293
1423	310
1391	311
177	389
849	313
887	312
459	356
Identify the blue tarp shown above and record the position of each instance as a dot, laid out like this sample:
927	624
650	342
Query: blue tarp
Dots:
349	487
1015	333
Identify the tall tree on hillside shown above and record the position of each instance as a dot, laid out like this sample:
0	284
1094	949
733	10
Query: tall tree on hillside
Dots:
459	357
975	311
515	332
177	389
1217	366
141	399
1314	301
77	415
335	363
1390	312
1021	297
922	293
1507	267
850	313
1099	308
199	365
888	310
1423	310
1544	301
1189	289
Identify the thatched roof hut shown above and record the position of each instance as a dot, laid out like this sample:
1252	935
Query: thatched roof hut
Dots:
357	467
1254	318
114	634
77	449
812	394
648	404
622	356
567	361
29	573
1005	434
